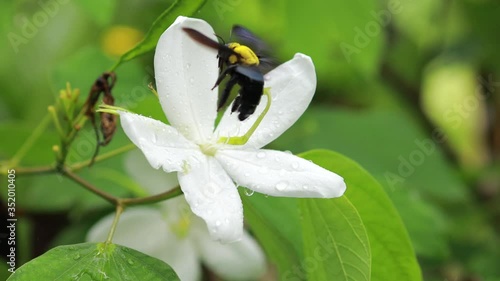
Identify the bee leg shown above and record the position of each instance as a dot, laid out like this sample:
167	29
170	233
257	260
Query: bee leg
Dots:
225	94
223	75
236	104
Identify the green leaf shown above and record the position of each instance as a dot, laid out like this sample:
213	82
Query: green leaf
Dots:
94	261
179	7
336	244
274	221
393	257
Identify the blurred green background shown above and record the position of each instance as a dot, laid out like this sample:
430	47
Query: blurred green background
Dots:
409	89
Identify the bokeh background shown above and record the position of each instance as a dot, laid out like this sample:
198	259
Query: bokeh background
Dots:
409	89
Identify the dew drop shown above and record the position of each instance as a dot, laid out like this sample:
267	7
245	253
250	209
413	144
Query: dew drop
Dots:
191	80
248	192
281	186
261	154
188	65
295	165
305	186
288	152
218	223
76	257
131	262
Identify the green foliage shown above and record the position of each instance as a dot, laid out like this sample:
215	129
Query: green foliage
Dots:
91	261
336	244
179	7
280	238
388	75
392	256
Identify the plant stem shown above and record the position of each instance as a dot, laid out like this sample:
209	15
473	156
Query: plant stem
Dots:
106	196
14	161
35	170
119	211
104	156
153	198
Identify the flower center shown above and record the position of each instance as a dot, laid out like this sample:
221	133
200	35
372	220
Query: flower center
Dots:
208	149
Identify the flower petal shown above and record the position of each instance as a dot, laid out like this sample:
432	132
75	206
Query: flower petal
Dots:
241	260
278	173
162	145
185	71
292	87
151	180
213	196
144	230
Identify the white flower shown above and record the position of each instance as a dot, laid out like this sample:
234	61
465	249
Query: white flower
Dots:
171	232
209	171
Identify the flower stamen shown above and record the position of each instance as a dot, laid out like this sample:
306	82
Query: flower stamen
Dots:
241	140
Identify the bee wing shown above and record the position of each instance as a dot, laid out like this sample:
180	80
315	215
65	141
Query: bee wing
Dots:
244	36
204	40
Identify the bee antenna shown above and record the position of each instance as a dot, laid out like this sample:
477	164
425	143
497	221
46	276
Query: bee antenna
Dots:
221	39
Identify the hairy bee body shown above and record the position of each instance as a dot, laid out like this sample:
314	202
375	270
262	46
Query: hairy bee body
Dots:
242	64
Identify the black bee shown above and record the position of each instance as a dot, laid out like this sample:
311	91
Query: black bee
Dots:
243	64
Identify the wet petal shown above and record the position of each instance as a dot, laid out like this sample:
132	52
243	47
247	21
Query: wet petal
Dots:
151	180
162	145
213	196
241	260
185	71
292	87
278	173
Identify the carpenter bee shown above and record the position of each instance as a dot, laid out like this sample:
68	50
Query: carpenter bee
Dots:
245	62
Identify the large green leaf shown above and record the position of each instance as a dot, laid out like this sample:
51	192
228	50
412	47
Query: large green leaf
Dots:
336	244
274	221
91	261
387	142
393	257
179	7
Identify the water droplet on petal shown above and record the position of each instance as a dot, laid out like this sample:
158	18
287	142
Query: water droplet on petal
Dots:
295	165
188	65
288	152
305	186
218	223
261	154
248	192
281	186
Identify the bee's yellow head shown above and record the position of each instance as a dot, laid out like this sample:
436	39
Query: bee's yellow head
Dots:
246	55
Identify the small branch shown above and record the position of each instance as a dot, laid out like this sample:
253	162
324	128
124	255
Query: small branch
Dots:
35	170
106	196
83	164
14	161
152	199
